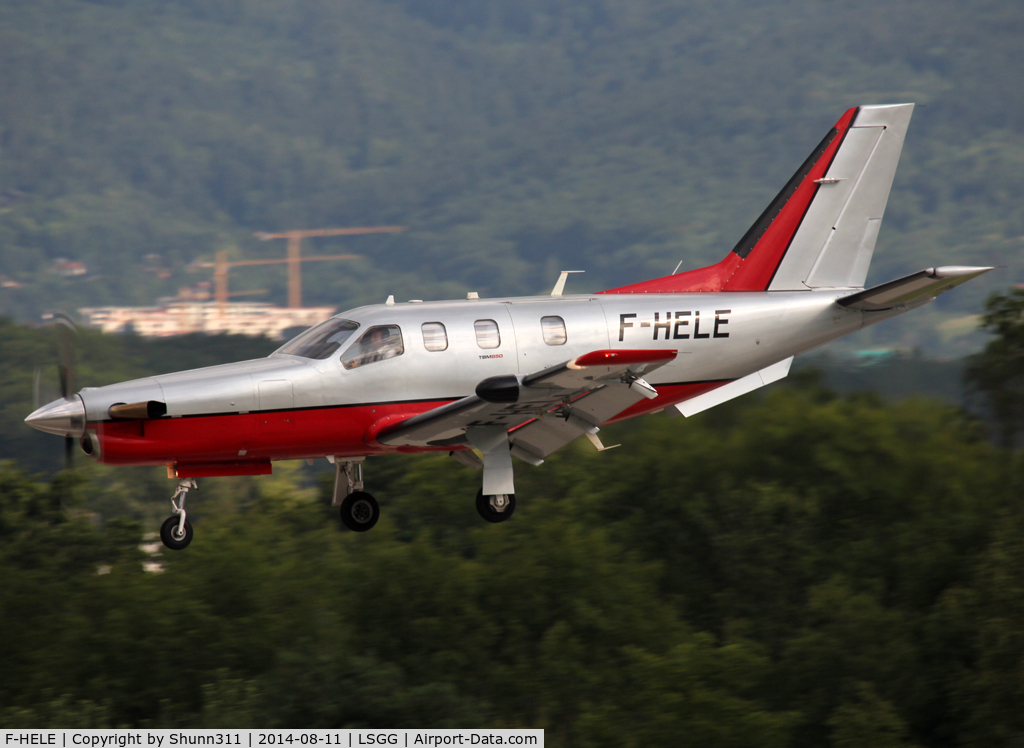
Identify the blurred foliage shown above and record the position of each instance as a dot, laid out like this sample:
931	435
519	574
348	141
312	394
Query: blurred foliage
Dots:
901	375
798	569
997	373
801	569
514	139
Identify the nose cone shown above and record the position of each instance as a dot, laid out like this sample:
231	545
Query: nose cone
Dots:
65	417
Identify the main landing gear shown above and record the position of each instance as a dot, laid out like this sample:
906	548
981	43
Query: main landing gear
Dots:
176	531
497	507
359	510
496	501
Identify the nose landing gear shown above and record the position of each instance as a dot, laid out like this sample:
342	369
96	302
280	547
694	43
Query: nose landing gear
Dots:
176	531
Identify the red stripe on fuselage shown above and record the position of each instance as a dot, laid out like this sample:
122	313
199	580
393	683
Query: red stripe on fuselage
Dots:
277	435
294	434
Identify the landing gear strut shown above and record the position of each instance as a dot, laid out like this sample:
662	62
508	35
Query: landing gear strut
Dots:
497	499
495	508
359	510
176	531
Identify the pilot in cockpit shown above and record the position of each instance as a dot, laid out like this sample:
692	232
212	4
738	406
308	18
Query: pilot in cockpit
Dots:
377	344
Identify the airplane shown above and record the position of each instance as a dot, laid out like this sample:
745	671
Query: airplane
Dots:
488	380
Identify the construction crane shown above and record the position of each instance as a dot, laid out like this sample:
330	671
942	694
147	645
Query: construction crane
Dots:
221	266
295	238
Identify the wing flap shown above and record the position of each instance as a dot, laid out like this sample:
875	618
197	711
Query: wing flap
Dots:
573	389
542	436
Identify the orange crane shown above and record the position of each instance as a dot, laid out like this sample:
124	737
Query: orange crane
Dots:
295	238
221	266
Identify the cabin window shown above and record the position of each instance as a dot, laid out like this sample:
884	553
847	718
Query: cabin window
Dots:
322	340
487	335
553	329
435	337
378	343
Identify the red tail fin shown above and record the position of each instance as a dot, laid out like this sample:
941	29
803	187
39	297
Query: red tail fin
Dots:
752	263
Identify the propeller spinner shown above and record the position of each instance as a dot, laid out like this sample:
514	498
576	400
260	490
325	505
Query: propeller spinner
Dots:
64	416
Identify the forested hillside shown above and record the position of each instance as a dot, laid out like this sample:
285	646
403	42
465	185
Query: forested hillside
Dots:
792	568
802	571
514	139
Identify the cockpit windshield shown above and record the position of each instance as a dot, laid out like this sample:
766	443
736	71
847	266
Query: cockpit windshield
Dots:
322	340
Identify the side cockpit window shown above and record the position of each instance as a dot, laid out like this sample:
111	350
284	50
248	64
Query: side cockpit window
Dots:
322	340
378	343
435	336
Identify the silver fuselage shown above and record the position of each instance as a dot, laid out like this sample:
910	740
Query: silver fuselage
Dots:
753	330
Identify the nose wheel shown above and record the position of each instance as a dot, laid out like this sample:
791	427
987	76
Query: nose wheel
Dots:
497	508
176	531
173	535
359	511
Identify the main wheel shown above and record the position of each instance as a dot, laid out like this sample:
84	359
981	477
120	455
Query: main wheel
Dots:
172	538
359	511
496	508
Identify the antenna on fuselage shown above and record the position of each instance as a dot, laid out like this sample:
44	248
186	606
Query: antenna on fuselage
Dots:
560	285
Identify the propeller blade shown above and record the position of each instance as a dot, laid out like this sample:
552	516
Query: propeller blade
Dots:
37	389
69	452
65	380
45	388
66	333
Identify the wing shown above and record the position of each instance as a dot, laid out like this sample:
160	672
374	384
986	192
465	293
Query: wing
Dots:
542	411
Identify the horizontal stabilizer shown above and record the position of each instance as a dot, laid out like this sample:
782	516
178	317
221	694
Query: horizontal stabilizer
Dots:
734	389
926	284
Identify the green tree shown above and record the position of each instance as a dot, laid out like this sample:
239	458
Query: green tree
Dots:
797	569
998	371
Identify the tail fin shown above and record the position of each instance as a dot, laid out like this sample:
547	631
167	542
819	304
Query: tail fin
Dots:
820	230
